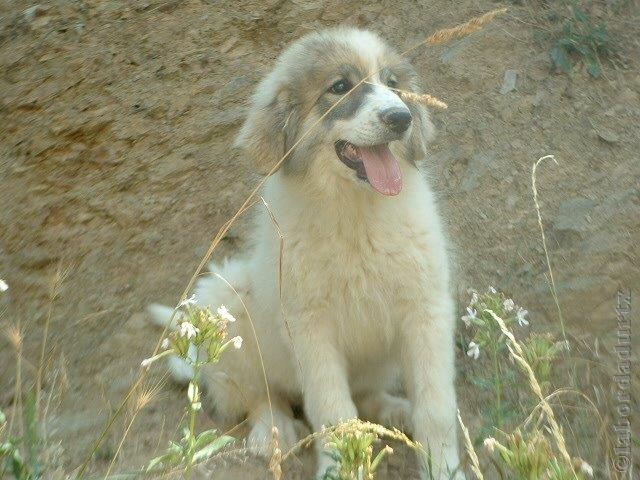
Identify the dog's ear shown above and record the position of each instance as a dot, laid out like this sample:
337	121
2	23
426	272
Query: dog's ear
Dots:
270	128
422	131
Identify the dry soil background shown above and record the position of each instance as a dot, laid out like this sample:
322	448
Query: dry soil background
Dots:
116	120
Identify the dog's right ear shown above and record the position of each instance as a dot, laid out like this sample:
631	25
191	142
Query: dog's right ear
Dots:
269	129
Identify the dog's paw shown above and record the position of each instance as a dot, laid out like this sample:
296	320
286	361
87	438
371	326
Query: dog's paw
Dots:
396	412
386	409
261	437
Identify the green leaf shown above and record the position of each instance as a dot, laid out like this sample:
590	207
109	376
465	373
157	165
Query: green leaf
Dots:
593	67
205	438
212	448
566	42
581	15
167	460
6	448
601	37
18	466
31	438
560	58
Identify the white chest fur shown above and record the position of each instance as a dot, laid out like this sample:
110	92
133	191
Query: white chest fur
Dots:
360	259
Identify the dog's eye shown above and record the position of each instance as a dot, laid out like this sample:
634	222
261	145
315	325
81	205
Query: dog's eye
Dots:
392	82
341	87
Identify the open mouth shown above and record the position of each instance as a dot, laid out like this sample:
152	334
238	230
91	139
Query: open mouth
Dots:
374	164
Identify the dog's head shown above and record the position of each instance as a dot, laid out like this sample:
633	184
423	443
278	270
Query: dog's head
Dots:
332	100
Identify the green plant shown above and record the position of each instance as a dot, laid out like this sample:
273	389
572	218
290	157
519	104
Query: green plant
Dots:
581	37
488	347
497	374
529	456
20	455
350	445
540	351
207	332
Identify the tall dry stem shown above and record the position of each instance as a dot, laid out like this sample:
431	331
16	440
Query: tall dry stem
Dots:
515	350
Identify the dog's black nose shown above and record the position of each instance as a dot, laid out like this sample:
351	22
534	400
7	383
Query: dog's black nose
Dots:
398	119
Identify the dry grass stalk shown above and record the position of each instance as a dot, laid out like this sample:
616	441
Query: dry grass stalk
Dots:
144	397
518	355
464	29
275	462
554	291
15	337
55	287
475	463
423	98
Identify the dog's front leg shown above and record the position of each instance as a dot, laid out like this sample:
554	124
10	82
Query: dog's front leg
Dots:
323	376
429	371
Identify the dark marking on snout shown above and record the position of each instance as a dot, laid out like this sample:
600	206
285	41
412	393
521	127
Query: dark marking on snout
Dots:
348	104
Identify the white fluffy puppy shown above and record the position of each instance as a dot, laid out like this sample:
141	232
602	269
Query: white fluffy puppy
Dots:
363	310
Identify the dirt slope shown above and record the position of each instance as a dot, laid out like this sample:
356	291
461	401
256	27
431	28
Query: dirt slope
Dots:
116	120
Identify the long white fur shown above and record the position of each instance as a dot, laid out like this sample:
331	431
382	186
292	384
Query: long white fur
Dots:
365	306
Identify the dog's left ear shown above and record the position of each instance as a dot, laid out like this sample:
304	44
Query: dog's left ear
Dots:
270	127
422	130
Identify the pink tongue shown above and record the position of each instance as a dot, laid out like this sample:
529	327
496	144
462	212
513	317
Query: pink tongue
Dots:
382	169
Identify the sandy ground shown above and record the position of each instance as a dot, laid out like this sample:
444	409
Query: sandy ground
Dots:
116	120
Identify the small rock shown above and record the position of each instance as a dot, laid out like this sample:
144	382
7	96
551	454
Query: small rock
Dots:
35	16
31	13
218	123
574	214
141	5
478	165
84	217
122	289
537	99
76	421
228	117
451	52
228	44
152	240
569	91
509	81
41	22
34	258
169	7
607	135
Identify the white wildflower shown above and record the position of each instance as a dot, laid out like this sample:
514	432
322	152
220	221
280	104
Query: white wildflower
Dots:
490	444
146	362
188	301
193	392
237	341
470	316
165	344
474	350
474	298
508	305
586	469
188	330
520	314
492	290
3	286
224	313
